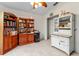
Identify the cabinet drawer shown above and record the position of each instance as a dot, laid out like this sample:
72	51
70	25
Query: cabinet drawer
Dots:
64	48
64	41
55	41
22	39
30	37
64	44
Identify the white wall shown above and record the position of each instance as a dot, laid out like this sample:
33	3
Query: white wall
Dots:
72	7
37	18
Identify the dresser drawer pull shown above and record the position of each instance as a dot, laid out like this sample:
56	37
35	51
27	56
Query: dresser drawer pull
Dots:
61	41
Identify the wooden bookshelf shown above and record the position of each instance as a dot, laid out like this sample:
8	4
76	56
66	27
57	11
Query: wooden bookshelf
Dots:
26	31
30	25
14	31
8	32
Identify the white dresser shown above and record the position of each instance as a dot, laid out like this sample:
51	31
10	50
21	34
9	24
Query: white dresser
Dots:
65	43
63	36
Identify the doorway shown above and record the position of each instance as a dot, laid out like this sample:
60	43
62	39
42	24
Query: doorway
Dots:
49	27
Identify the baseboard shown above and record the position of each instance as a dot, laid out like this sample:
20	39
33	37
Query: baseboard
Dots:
76	52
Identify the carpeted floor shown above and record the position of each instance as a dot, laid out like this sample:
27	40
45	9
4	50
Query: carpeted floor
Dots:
42	48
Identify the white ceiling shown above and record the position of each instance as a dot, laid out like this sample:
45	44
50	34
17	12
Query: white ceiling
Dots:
27	7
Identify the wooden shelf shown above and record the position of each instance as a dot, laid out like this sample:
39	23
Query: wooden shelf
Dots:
10	27
9	19
64	28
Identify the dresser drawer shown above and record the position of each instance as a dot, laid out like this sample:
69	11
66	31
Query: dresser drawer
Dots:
64	41
64	44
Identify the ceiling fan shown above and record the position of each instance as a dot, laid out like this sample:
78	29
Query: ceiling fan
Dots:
38	4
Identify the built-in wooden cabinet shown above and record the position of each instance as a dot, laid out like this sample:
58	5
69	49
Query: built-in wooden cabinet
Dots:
9	43
8	32
26	31
26	38
15	31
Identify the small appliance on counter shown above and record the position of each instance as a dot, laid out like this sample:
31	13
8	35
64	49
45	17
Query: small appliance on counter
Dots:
36	36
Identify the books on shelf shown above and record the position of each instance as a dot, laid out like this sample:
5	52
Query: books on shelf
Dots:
26	25
9	24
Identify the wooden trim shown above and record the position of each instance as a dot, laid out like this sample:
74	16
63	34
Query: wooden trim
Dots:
1	51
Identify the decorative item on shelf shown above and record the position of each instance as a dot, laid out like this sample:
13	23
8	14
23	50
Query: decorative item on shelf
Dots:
13	33
20	20
30	25
62	13
38	4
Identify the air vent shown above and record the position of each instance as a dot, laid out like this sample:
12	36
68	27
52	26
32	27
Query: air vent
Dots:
55	3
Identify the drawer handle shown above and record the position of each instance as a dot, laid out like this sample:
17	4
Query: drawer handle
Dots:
61	41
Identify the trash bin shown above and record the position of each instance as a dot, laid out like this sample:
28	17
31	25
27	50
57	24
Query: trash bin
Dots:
36	36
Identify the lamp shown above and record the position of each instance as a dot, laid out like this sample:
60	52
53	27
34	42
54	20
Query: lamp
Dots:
38	4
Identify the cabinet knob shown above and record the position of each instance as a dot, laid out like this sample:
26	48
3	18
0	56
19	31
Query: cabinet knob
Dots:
59	43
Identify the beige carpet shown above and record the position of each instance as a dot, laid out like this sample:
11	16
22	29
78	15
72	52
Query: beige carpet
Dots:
42	48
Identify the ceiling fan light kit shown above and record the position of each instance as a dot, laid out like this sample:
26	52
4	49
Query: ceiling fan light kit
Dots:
38	4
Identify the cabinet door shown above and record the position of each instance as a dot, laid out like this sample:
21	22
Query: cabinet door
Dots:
6	43
30	37
55	41
64	44
10	42
14	41
25	38
22	39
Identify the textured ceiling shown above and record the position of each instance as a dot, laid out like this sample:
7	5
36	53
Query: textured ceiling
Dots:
27	7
